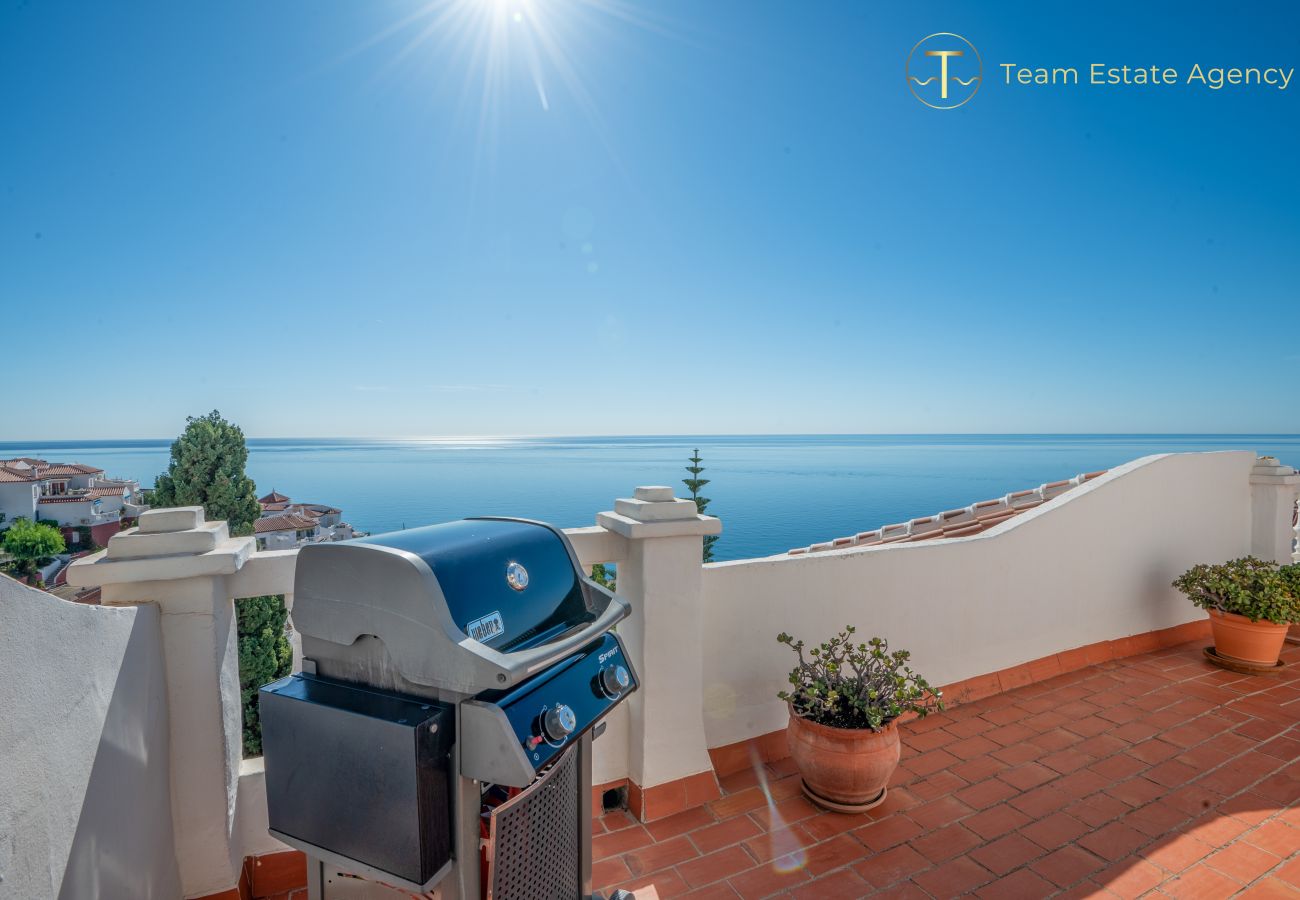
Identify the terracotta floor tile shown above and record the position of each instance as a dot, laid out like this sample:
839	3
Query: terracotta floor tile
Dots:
719	891
1097	810
1027	775
665	884
979	769
1243	862
953	878
1006	854
1114	841
614	843
680	823
1055	830
766	880
1153	751
715	866
1068	865
1275	836
1131	877
1176	852
894	865
1270	889
1201	883
609	871
779	844
1137	791
938	813
828	855
938	785
842	885
986	793
1041	801
724	833
1156	818
946	843
1023	884
996	821
882	835
659	856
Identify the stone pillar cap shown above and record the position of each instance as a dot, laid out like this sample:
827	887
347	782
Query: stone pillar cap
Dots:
164	521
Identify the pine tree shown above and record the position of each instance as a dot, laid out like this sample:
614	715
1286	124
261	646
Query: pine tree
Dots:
694	484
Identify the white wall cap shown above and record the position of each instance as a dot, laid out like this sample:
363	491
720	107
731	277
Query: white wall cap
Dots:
178	518
654	494
1267	470
97	569
133	544
634	528
656	511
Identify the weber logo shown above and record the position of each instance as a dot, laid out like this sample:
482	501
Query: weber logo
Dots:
486	628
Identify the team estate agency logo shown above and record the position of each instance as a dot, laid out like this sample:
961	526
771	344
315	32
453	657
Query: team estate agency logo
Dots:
944	70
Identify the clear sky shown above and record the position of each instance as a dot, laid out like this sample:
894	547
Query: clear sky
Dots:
580	216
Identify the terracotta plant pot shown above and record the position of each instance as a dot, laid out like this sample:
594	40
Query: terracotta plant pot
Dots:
1293	634
1237	637
843	769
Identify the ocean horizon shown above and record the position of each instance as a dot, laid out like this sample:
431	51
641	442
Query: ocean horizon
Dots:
772	492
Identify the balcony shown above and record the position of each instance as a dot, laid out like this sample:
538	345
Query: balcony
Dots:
1088	746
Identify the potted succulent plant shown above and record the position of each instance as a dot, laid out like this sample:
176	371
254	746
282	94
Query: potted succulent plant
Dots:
1250	603
845	704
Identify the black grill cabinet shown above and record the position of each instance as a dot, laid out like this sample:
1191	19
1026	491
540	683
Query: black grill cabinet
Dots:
438	739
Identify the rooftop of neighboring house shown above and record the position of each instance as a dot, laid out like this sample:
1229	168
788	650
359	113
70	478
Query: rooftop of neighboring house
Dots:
268	524
25	468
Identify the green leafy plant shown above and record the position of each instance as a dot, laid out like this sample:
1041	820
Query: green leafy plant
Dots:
1250	587
264	656
29	542
844	684
604	576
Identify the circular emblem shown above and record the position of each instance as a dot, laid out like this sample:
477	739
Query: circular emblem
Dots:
944	70
516	576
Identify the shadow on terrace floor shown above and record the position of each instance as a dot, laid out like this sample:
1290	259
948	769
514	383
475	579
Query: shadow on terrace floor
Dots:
1157	772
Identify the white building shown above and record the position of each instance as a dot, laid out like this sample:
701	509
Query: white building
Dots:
285	524
71	494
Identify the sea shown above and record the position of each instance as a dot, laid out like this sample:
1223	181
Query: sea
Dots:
772	492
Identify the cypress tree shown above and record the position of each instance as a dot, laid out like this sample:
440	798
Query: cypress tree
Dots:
207	469
694	484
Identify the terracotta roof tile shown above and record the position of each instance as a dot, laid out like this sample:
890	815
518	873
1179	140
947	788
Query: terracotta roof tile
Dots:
273	497
951	523
282	523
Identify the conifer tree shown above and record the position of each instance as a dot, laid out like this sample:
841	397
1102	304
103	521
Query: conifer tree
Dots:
694	484
207	469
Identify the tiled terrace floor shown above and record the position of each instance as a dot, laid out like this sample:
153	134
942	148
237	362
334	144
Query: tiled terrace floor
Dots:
1157	773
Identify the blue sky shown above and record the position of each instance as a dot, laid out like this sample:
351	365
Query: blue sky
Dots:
353	219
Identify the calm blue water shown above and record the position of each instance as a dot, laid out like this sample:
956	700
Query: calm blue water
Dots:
772	492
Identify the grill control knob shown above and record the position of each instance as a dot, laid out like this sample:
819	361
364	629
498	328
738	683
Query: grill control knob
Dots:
615	680
559	723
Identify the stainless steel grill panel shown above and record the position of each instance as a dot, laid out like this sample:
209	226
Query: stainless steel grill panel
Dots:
534	838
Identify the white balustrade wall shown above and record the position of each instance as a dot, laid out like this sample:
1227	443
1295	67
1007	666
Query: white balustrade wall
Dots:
153	675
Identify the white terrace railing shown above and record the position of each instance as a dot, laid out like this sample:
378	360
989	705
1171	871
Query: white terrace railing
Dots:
1091	565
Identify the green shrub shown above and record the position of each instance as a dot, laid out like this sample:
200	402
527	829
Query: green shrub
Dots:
1250	587
847	685
264	656
27	542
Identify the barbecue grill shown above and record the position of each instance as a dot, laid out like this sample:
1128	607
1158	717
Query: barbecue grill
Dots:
438	739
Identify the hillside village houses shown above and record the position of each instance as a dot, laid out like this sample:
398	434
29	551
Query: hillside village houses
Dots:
285	524
72	494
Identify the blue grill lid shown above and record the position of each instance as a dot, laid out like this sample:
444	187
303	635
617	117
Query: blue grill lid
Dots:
472	561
